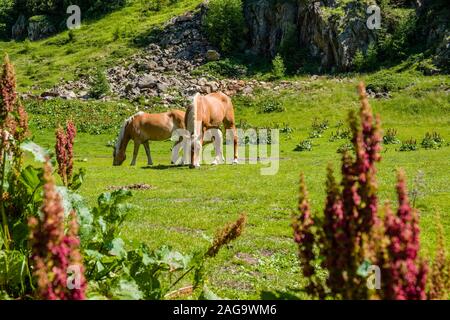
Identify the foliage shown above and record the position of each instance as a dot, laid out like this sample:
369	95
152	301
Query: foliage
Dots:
225	68
93	117
318	128
366	61
389	80
99	85
340	134
351	235
395	42
345	147
432	141
55	253
408	145
278	67
439	280
271	106
304	145
224	23
391	137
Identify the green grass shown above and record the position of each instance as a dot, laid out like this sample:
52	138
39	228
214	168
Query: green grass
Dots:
185	205
99	43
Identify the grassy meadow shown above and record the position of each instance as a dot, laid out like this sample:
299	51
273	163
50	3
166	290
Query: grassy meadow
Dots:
184	207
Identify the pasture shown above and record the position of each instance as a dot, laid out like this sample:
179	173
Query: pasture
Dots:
184	207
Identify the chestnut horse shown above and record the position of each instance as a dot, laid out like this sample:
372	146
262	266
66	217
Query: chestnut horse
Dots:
145	127
210	112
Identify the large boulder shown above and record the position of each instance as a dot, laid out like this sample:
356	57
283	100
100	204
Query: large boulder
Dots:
329	30
19	29
40	27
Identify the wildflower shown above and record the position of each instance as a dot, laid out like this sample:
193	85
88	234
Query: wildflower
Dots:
53	251
61	154
404	273
229	233
303	235
440	276
64	151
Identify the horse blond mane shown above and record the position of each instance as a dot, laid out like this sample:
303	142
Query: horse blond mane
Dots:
192	116
122	130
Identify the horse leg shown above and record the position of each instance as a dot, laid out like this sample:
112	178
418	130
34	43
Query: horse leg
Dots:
149	155
218	148
231	125
176	151
135	153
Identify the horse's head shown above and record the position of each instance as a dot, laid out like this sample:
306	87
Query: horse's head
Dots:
119	157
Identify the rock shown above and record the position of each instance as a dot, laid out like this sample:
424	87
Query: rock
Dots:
212	55
40	27
68	94
162	87
147	82
334	39
19	29
247	90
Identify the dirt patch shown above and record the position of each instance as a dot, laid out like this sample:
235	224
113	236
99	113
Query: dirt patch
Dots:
248	258
267	252
136	186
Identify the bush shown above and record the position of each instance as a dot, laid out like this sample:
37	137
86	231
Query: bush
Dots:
223	68
391	137
278	68
432	141
304	145
271	106
408	145
99	85
367	61
224	23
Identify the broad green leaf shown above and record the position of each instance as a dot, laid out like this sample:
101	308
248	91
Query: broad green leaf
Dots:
127	289
116	248
207	294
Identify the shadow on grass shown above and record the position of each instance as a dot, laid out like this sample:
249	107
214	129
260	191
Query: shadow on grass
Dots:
165	167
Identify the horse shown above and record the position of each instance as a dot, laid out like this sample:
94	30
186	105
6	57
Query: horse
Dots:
145	127
205	113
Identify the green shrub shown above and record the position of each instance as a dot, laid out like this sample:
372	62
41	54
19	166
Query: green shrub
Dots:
271	106
432	141
346	147
340	134
390	80
225	68
367	61
278	68
304	145
391	137
408	145
99	85
224	23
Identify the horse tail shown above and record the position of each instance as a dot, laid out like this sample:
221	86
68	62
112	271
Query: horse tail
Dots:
123	129
191	115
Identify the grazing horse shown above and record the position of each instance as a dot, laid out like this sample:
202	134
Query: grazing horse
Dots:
145	127
210	112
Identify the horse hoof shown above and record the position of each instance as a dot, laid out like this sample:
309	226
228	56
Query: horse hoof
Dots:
235	161
215	163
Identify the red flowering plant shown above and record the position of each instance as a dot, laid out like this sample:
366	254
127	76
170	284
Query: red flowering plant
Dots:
64	153
351	236
55	252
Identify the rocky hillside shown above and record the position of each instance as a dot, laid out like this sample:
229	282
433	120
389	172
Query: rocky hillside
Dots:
332	31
